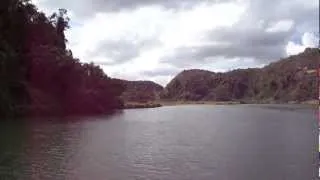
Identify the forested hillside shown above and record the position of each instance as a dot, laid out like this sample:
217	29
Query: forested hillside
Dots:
141	91
39	75
282	81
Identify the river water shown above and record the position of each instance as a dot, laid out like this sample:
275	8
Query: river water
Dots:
196	142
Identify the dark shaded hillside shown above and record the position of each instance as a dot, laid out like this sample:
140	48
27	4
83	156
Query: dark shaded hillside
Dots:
282	81
39	76
140	91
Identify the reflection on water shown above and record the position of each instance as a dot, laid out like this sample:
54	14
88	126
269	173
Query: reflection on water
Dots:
186	142
50	147
12	139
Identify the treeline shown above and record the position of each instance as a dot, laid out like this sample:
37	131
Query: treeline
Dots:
39	75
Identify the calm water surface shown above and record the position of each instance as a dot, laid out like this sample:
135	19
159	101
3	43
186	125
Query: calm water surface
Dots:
240	142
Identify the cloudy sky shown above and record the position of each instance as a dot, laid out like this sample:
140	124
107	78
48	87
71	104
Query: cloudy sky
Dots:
156	39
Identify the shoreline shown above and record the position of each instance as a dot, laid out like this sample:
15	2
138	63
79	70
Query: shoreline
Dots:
172	103
140	105
155	104
177	103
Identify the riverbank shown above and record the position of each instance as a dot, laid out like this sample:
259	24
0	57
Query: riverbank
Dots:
176	103
138	105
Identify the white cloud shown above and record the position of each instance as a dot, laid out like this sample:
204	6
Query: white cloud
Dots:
162	80
139	22
187	27
172	29
283	25
307	40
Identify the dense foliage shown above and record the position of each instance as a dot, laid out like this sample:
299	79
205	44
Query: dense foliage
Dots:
39	76
282	81
140	91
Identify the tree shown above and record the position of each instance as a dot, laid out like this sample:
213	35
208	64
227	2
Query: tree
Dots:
38	75
60	21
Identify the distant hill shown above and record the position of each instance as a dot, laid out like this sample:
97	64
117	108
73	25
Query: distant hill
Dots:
140	91
282	81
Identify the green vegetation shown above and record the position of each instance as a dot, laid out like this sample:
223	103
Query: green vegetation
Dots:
280	82
39	76
140	91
